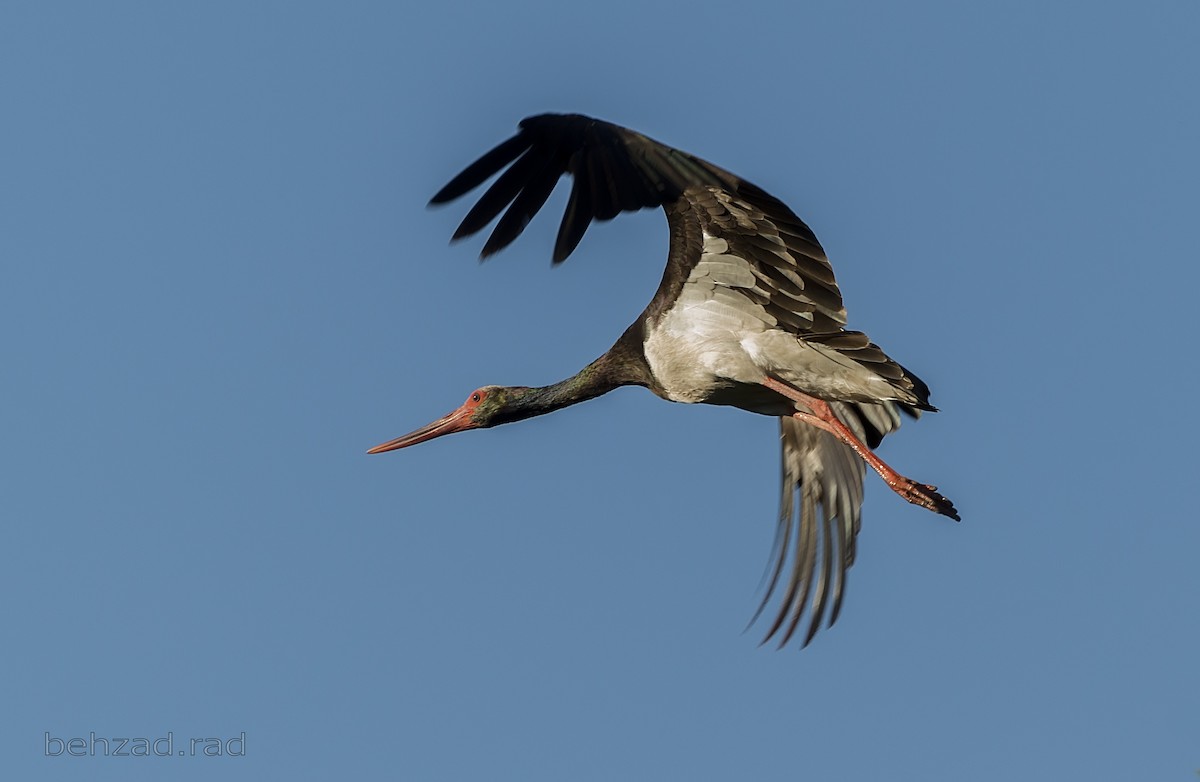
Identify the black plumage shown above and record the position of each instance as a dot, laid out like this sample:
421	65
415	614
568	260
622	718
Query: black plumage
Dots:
746	282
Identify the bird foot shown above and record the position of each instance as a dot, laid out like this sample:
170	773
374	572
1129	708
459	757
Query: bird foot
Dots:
823	417
926	496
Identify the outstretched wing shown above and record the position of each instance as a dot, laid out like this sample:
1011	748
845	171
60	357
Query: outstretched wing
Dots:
818	533
615	170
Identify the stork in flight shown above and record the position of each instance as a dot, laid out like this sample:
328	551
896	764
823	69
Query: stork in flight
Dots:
747	314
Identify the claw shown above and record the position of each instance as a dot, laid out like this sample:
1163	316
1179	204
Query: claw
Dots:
926	495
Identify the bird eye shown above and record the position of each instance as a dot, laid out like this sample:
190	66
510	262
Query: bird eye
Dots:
476	397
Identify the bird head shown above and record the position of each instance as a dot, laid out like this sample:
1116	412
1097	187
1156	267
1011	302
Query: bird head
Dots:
485	407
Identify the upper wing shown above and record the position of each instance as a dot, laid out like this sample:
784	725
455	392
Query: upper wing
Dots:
819	535
615	170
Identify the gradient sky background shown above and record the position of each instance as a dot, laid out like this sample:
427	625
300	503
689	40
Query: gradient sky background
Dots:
221	286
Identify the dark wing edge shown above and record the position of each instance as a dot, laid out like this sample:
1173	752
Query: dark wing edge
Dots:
614	170
820	514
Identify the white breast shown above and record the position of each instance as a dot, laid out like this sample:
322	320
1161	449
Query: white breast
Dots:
696	348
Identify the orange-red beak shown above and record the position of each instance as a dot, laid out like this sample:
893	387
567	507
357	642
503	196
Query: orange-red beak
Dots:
457	421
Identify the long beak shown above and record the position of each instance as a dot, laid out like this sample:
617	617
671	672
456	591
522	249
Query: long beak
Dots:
458	421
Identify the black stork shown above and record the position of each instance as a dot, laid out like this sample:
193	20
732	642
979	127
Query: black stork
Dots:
748	314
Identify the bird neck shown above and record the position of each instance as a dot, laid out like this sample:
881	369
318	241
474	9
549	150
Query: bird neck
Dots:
606	373
588	383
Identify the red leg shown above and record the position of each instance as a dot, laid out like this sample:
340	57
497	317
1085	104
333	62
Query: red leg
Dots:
823	417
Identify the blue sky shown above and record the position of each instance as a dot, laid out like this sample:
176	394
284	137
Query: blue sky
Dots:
221	286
